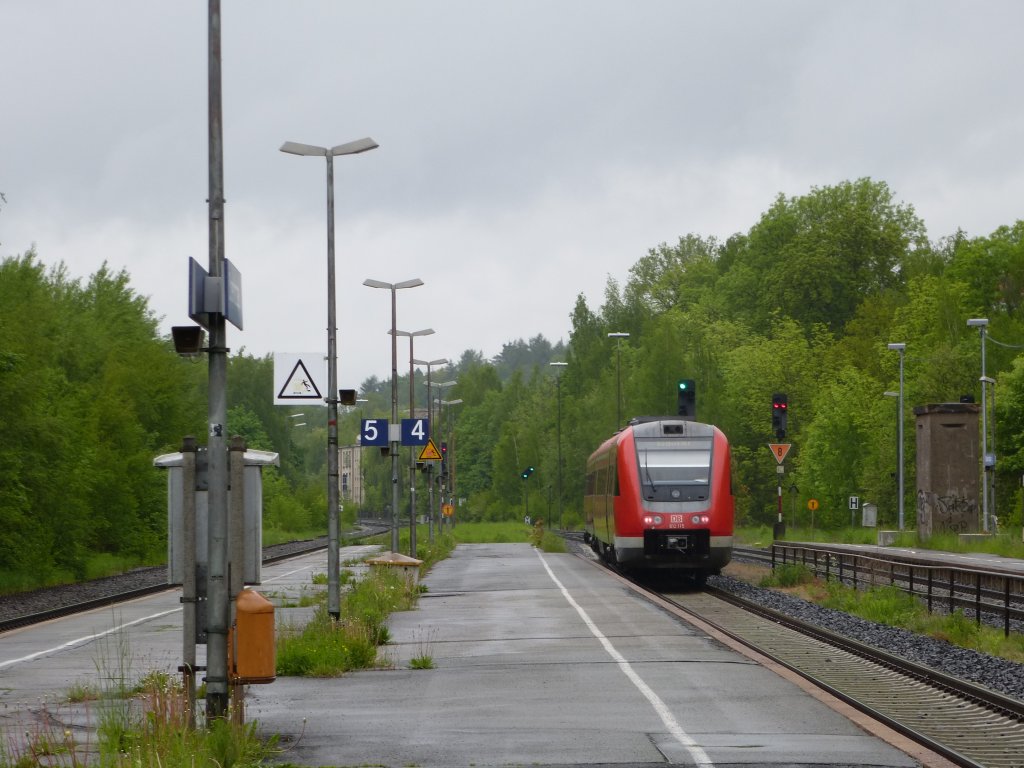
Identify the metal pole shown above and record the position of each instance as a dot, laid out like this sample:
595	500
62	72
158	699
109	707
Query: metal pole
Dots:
899	431
618	384
394	421
412	456
218	608
333	564
189	592
992	507
558	386
430	467
984	440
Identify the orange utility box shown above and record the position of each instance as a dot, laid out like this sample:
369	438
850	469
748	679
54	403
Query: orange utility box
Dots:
252	645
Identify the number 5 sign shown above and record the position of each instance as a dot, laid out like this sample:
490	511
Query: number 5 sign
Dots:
373	432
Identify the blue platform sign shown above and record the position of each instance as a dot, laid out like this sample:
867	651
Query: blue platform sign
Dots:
415	431
373	432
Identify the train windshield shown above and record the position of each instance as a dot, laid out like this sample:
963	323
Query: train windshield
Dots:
674	463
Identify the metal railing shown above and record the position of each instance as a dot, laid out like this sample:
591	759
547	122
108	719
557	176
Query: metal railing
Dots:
941	587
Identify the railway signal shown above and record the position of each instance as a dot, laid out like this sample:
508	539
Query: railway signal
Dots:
525	474
687	399
780	410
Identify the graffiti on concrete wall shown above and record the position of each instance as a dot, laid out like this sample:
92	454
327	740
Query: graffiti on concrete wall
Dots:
946	513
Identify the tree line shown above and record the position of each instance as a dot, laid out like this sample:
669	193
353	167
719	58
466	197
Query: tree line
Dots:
804	302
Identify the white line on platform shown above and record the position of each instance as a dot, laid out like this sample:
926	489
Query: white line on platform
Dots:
86	639
699	756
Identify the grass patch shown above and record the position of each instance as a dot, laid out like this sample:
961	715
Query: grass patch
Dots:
788	575
890	606
328	648
139	723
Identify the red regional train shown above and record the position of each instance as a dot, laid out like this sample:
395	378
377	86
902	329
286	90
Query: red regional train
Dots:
659	496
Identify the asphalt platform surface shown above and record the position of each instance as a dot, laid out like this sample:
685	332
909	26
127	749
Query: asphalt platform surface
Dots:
546	660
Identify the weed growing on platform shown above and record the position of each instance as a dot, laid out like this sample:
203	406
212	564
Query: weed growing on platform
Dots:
151	730
424	658
327	648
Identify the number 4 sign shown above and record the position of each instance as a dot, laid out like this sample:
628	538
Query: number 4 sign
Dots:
415	431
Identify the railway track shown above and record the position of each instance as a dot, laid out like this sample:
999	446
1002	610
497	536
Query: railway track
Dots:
155	579
967	724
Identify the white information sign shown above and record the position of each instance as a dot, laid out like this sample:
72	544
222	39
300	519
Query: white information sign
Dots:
300	378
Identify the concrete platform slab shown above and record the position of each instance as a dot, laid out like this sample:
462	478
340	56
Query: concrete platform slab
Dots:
545	660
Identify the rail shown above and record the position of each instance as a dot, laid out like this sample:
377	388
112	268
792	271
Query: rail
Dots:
976	591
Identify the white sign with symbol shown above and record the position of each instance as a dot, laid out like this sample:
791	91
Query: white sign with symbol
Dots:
299	378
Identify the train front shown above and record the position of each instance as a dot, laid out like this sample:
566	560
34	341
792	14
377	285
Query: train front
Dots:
675	508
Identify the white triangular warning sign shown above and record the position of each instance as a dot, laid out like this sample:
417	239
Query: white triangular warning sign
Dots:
299	385
430	452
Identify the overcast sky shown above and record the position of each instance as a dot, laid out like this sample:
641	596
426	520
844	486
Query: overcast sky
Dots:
529	149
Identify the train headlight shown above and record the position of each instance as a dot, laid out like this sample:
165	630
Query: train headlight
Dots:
700	519
652	520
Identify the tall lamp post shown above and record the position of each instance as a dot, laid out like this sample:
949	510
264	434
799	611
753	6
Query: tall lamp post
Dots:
901	348
217	588
412	451
448	431
618	336
990	458
308	150
981	323
394	444
430	421
445	461
558	387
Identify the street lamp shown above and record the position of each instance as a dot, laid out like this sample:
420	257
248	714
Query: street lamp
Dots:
394	287
448	431
981	323
430	422
412	451
901	348
618	336
441	387
990	458
558	387
308	150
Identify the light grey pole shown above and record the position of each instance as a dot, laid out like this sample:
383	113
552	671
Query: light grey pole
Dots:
394	426
412	450
558	387
618	336
981	323
430	422
333	564
218	600
333	559
901	348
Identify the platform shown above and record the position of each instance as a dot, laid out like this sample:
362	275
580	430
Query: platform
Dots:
547	660
922	556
